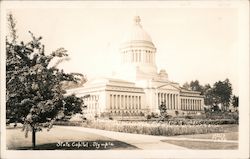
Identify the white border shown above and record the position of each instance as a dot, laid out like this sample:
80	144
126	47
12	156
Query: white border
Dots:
242	152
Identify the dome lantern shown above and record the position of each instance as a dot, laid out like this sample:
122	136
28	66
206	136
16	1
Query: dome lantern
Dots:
137	20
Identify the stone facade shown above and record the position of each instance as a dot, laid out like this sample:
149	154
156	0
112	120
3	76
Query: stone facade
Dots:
137	88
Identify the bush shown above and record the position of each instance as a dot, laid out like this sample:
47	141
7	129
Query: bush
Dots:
188	117
148	117
110	118
141	114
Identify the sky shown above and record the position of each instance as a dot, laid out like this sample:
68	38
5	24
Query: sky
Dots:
192	43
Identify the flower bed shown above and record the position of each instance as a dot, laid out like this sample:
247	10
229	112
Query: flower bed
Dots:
149	128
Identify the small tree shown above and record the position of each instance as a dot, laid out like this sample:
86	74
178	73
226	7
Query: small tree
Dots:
235	101
34	94
163	110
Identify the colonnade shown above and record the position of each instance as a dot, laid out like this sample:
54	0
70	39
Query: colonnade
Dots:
125	102
191	104
138	55
92	103
169	99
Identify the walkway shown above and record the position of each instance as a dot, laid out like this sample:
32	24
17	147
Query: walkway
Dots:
145	142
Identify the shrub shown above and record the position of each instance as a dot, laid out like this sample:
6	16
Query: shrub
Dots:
188	117
110	118
148	116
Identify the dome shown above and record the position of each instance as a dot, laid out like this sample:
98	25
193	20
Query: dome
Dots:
136	33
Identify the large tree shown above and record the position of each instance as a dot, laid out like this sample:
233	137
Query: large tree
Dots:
34	94
208	95
222	91
195	86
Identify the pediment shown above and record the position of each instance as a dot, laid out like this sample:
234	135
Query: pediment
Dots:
168	87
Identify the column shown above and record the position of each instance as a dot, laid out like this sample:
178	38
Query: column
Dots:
193	104
199	104
126	102
170	107
114	100
129	102
184	102
181	103
140	102
172	101
159	102
118	101
123	102
192	101
177	101
162	98
110	100
196	106
167	105
190	104
173	97
165	98
185	105
134	102
137	103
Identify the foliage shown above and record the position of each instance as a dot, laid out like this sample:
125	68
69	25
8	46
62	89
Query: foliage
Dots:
34	94
235	101
222	92
219	94
208	94
186	86
195	86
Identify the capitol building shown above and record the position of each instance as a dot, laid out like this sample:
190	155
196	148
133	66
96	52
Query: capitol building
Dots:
137	88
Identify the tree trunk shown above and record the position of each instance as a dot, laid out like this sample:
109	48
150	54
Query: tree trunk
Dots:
33	138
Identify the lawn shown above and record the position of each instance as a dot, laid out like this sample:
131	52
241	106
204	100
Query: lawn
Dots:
204	145
63	139
225	136
230	133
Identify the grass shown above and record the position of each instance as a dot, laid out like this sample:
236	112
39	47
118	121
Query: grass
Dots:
230	132
203	145
48	140
228	136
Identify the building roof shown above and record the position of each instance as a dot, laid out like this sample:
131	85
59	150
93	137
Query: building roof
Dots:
136	33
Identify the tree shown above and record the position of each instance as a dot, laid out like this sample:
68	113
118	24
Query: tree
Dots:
208	95
235	101
186	86
163	110
222	91
34	94
195	86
